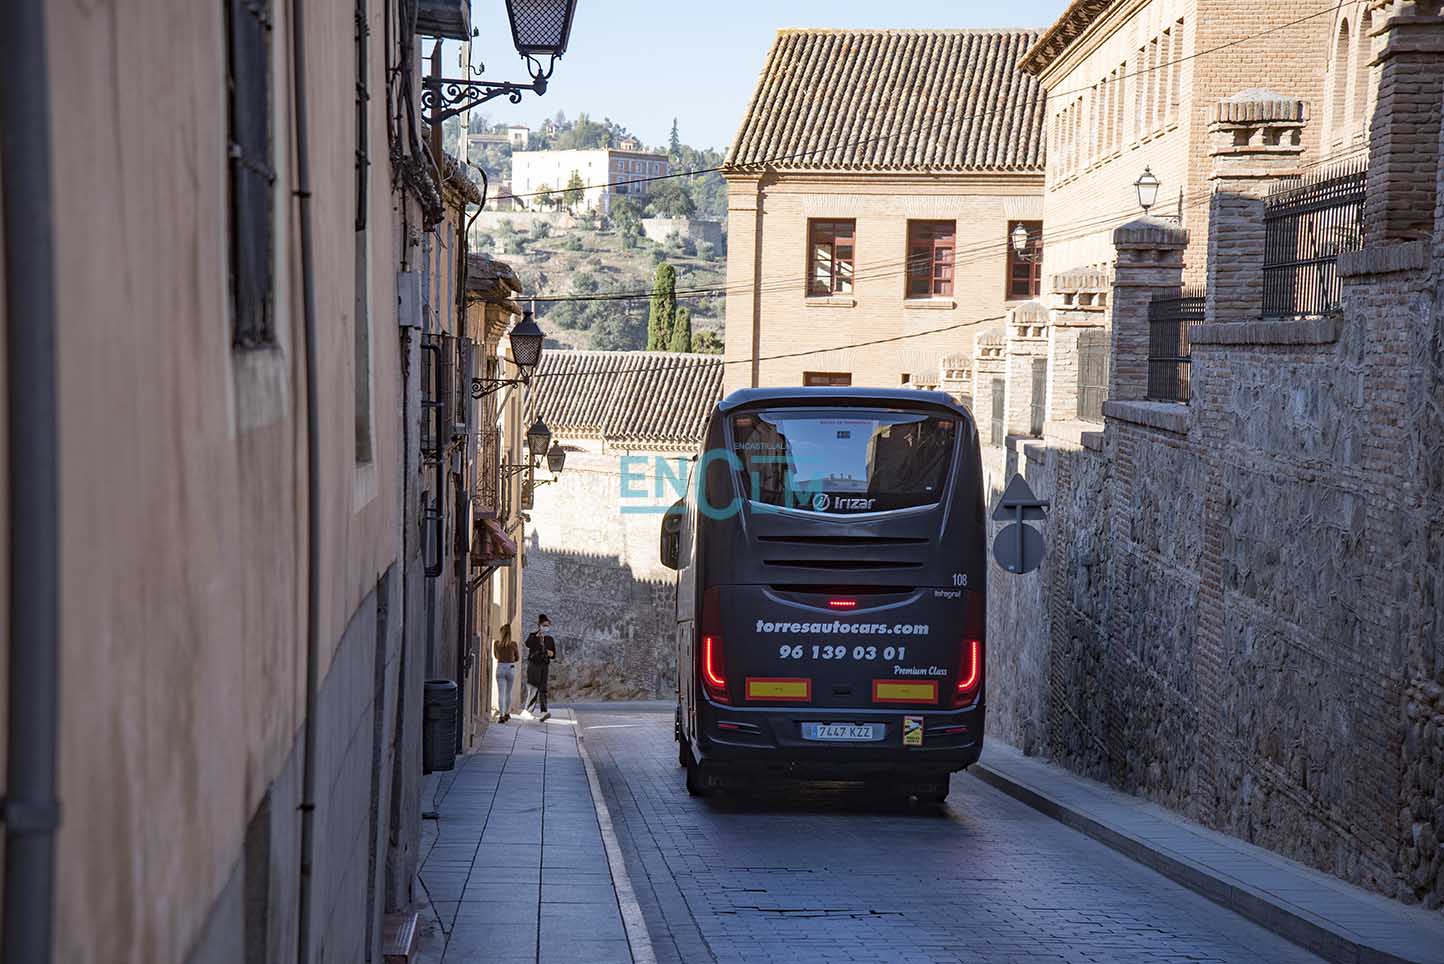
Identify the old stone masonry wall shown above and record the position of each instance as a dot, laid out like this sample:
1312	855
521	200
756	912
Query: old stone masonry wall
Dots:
595	570
1238	615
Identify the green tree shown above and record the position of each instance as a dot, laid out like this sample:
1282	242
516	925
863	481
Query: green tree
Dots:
664	308
671	199
544	195
681	331
707	342
575	191
674	144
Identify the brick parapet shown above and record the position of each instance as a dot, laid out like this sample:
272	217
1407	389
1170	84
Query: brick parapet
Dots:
1404	134
1149	262
1255	139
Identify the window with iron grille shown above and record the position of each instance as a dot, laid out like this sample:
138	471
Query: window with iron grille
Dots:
1025	272
1092	373
810	379
998	434
1038	398
930	258
252	177
830	256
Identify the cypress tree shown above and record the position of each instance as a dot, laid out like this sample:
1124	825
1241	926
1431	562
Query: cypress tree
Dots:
681	332
664	308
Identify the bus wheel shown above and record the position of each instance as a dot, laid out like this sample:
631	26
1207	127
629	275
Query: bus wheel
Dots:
696	779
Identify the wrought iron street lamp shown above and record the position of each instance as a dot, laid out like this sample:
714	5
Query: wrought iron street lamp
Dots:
556	461
1020	238
526	347
556	458
539	29
538	438
1147	188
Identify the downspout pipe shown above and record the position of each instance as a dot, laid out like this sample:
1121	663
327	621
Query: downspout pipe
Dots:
313	485
31	810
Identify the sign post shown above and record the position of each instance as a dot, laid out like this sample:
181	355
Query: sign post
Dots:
1018	547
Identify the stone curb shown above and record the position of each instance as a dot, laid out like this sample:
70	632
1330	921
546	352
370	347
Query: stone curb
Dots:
636	927
1313	933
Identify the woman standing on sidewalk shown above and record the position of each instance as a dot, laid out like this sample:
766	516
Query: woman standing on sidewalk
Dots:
506	653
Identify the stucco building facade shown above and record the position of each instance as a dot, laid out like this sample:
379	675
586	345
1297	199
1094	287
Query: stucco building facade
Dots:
227	482
607	173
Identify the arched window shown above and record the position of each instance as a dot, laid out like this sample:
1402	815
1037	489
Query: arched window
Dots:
1363	73
1339	97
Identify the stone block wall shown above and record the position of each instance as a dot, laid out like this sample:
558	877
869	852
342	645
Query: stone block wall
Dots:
1238	615
592	565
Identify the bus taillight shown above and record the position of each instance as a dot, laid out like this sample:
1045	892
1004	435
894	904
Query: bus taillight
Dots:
842	603
714	670
970	672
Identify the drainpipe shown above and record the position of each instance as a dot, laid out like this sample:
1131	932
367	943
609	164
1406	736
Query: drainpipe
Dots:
313	484
31	810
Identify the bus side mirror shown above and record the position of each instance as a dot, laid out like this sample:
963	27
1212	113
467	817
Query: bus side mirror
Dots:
672	534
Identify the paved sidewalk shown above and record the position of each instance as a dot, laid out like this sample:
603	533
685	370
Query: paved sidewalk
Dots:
1337	921
515	868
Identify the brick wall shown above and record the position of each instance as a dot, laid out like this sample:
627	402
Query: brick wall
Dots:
1090	186
767	253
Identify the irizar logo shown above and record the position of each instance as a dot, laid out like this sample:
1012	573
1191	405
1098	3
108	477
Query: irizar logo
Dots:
821	502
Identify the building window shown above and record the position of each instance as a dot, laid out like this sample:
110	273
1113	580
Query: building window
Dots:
813	379
252	179
1339	102
830	257
930	258
1025	274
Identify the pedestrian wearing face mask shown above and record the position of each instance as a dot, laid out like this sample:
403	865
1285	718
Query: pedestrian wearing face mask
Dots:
541	649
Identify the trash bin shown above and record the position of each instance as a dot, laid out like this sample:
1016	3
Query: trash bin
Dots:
438	729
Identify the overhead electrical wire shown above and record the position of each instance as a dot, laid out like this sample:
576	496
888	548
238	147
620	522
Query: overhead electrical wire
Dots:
922	129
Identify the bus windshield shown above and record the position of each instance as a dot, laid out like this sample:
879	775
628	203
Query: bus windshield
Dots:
843	460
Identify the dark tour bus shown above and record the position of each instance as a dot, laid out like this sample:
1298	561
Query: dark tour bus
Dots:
831	590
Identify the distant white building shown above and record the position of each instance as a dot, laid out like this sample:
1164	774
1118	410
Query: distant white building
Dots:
518	135
625	171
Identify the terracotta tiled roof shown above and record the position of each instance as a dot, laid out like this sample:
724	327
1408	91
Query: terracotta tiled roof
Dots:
631	399
1066	29
894	100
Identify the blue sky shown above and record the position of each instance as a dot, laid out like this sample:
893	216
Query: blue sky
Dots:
643	63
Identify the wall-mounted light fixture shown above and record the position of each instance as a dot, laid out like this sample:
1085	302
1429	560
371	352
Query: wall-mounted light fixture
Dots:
539	28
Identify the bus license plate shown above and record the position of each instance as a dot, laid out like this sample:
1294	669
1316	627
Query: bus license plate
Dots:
843	732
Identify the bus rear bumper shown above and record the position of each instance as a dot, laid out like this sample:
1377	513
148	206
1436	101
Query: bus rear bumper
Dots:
770	740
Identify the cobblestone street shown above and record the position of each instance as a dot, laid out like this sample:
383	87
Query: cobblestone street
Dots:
826	874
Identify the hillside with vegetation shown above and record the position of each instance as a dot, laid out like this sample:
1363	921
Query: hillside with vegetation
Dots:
591	276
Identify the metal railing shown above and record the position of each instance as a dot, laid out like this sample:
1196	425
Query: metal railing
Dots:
1092	373
1038	398
1307	224
1170	355
999	434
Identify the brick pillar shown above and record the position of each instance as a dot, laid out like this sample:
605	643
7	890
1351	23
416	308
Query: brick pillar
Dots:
744	271
1149	262
990	362
1027	347
1080	303
1404	131
1255	138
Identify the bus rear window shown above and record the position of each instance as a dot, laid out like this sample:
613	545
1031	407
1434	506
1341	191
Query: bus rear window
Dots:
858	460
